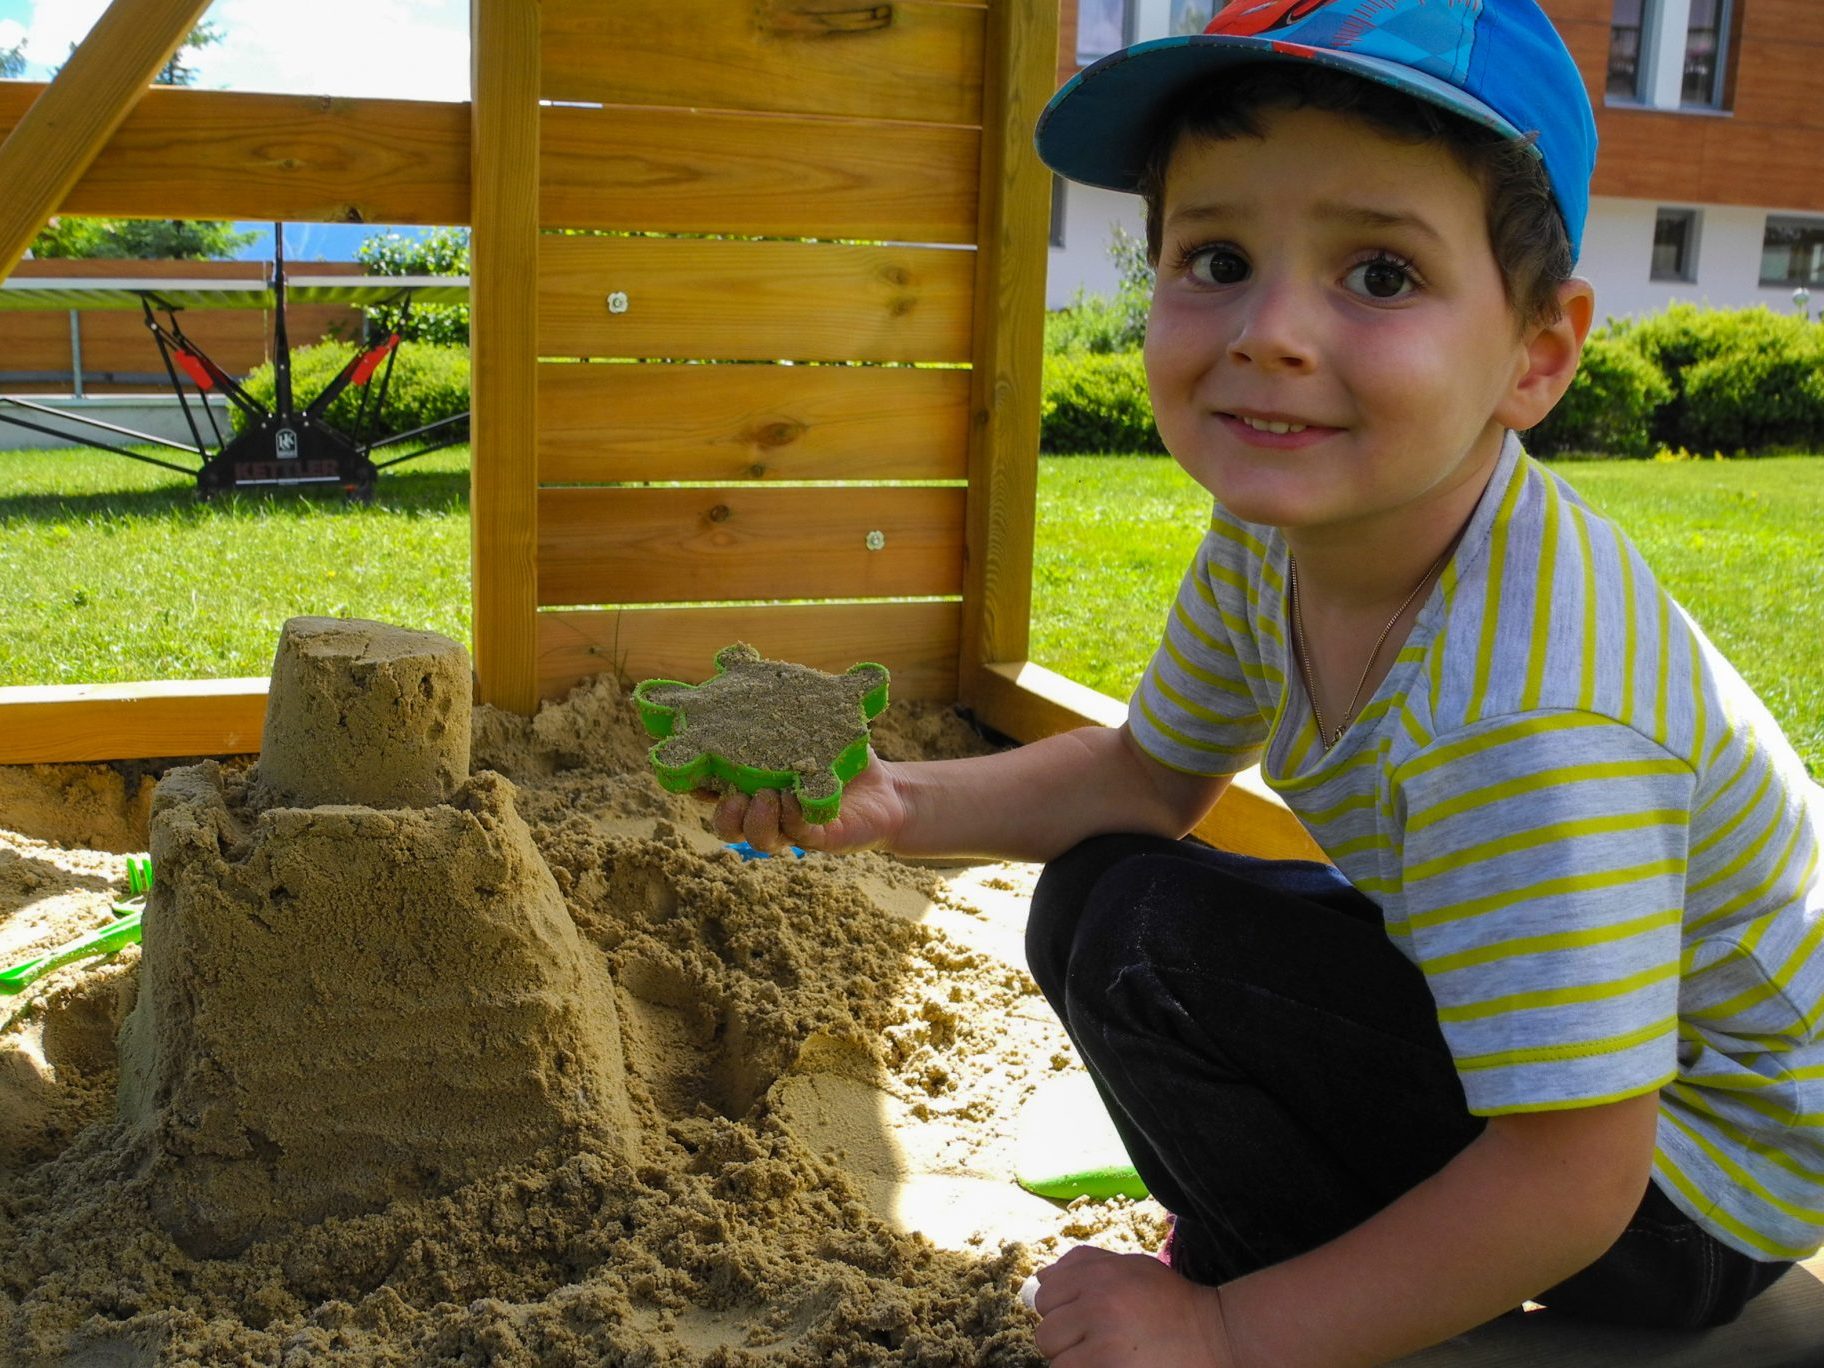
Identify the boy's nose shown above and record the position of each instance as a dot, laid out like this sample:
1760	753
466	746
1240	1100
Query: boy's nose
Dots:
1273	331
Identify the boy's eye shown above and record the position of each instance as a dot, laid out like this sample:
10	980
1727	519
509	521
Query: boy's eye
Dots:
1382	278
1217	266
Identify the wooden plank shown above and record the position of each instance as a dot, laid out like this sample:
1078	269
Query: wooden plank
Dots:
915	641
91	722
904	59
1009	339
599	424
72	120
689	170
625	546
1027	701
754	301
294	157
1781	1328
503	507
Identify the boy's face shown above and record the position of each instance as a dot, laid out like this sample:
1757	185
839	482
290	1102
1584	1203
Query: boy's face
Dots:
1329	277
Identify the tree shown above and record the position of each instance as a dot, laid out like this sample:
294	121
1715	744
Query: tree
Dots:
442	251
12	61
144	239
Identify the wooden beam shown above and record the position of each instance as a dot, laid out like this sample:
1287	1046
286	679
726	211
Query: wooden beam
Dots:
1009	338
1027	701
90	722
53	145
503	503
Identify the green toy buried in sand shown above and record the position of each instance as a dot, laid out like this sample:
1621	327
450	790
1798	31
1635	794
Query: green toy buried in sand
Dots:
764	724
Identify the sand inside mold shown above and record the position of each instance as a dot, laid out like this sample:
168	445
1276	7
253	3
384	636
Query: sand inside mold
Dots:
824	1063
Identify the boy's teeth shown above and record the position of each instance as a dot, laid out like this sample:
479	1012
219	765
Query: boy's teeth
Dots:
1274	427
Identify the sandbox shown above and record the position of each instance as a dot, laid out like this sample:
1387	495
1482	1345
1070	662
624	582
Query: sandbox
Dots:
635	1100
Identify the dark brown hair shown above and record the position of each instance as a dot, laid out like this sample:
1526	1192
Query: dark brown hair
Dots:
1525	228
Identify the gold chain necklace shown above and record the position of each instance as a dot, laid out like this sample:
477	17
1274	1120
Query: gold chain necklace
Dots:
1326	737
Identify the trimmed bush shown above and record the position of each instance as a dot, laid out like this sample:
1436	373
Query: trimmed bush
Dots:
1610	406
429	383
1743	380
1096	402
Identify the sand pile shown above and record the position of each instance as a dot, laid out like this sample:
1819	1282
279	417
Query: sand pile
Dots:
821	1062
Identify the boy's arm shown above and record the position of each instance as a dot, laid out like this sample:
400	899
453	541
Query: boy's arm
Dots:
1533	1200
1031	803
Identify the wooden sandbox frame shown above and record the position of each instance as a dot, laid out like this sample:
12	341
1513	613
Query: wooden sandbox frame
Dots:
862	302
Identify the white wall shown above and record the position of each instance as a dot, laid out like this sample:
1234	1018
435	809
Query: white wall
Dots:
1089	219
1618	258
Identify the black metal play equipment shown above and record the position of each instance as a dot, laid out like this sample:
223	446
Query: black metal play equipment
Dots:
280	445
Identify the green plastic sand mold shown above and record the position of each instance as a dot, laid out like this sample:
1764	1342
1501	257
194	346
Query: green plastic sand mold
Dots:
681	768
105	940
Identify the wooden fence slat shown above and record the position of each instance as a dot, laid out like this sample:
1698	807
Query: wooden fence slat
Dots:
677	170
904	59
754	301
503	506
603	424
227	155
48	150
915	641
687	545
86	722
1009	338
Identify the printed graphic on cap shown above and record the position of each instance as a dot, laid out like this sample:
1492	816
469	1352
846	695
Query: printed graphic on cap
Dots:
1249	17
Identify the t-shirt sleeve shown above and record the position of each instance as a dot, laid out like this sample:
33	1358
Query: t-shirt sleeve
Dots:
1196	709
1543	871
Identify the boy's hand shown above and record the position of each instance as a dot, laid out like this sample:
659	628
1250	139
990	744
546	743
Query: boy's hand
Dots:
872	813
1107	1310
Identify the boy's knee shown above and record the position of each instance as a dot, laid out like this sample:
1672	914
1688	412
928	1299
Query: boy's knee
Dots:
1060	898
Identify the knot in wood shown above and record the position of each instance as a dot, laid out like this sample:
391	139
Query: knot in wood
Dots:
719	513
778	434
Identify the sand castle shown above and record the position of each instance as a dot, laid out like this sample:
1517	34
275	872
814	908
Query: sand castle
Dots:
360	980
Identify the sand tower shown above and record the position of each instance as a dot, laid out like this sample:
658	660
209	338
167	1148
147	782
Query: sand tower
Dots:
359	979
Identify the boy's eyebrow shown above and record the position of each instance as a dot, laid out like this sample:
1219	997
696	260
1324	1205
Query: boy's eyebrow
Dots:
1353	215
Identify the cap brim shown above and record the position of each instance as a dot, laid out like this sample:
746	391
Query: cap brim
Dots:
1099	128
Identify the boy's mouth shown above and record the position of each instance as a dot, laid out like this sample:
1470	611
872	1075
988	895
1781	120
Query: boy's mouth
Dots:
1275	424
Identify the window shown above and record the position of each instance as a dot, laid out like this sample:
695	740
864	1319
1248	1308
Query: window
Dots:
1625	29
1675	245
1191	16
1792	252
1057	210
1670	54
1705	43
1103	26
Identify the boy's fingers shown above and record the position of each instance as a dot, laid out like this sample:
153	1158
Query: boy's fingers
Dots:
761	824
730	815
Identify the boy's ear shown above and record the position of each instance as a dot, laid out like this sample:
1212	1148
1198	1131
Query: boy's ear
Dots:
1549	353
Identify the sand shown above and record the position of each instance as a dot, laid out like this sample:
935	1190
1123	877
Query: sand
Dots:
821	1066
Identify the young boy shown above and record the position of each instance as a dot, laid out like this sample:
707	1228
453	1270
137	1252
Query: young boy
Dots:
1548	1027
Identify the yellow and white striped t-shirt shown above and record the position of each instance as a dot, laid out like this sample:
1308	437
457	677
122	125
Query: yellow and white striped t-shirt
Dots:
1576	819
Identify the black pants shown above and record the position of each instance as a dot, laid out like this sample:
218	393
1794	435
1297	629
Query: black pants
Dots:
1275	1068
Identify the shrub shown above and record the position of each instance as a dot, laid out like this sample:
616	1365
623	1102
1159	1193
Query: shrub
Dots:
1610	405
1096	402
429	382
1096	323
1741	379
441	252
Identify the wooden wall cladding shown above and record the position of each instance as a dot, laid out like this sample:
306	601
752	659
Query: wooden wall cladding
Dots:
754	301
688	170
603	424
917	642
915	60
626	546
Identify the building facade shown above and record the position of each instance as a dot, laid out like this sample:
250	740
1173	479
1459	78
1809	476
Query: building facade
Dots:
1709	183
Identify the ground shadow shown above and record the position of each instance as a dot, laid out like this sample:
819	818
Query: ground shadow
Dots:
404	489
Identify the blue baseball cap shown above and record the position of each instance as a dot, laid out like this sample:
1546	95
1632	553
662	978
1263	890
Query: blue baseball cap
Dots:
1499	63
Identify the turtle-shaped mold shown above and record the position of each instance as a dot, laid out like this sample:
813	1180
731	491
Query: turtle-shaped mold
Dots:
759	723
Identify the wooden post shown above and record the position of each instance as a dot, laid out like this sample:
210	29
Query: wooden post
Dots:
52	146
503	329
1009	339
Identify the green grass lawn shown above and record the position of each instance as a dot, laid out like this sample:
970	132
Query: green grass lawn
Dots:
1739	543
111	570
